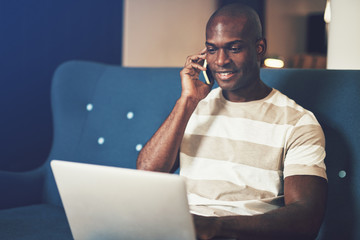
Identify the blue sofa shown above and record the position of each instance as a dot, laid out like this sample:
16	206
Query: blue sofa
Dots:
104	114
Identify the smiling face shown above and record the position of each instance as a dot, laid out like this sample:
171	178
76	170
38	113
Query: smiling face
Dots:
233	53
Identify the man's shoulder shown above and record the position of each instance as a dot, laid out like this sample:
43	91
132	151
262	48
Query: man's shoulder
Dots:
289	108
282	100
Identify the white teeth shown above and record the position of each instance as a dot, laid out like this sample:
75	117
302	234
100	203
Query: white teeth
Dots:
225	73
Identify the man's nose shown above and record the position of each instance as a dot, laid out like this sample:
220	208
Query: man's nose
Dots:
222	58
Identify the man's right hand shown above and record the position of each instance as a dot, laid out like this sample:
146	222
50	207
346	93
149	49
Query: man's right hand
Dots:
192	87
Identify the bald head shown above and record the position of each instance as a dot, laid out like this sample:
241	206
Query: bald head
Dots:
238	13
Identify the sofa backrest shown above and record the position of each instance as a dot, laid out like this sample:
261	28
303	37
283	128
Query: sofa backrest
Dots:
104	114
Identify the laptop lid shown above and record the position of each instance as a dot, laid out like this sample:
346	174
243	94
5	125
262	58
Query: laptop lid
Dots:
104	202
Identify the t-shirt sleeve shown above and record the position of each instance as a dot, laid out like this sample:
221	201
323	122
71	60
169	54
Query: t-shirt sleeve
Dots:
305	151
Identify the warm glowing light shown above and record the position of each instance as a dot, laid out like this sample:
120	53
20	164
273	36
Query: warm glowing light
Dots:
327	14
274	63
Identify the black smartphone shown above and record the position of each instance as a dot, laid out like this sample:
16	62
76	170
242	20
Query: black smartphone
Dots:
207	74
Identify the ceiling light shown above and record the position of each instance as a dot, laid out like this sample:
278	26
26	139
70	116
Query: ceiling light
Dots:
274	63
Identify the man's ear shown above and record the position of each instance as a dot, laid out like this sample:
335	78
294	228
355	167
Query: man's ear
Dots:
261	47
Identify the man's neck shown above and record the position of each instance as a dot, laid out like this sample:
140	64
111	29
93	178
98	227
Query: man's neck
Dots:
256	91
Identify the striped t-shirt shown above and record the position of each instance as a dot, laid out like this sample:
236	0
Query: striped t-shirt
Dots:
235	155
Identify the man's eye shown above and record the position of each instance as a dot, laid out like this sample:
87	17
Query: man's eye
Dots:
211	50
236	49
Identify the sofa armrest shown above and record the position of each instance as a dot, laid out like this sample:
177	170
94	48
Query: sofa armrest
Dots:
21	188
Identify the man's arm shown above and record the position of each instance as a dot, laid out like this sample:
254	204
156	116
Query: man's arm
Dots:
300	218
161	151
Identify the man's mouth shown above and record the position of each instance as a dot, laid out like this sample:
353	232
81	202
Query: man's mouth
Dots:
225	75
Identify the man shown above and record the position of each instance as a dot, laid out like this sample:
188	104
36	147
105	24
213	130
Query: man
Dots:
253	159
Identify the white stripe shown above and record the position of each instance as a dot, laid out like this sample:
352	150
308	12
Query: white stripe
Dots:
239	129
214	94
306	155
237	207
239	174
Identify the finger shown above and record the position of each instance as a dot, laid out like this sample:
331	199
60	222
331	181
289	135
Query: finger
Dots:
195	63
196	66
196	58
203	51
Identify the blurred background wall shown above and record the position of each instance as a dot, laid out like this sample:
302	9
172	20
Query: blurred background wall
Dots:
35	37
296	29
344	35
164	33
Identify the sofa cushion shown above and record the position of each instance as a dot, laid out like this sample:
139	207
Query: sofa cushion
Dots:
36	222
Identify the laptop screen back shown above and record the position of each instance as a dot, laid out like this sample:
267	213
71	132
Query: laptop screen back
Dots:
114	203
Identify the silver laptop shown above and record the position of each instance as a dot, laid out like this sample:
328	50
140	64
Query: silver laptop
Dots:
114	203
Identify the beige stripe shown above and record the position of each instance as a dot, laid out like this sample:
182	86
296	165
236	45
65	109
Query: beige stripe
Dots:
282	100
225	191
297	169
306	135
307	119
251	154
265	112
